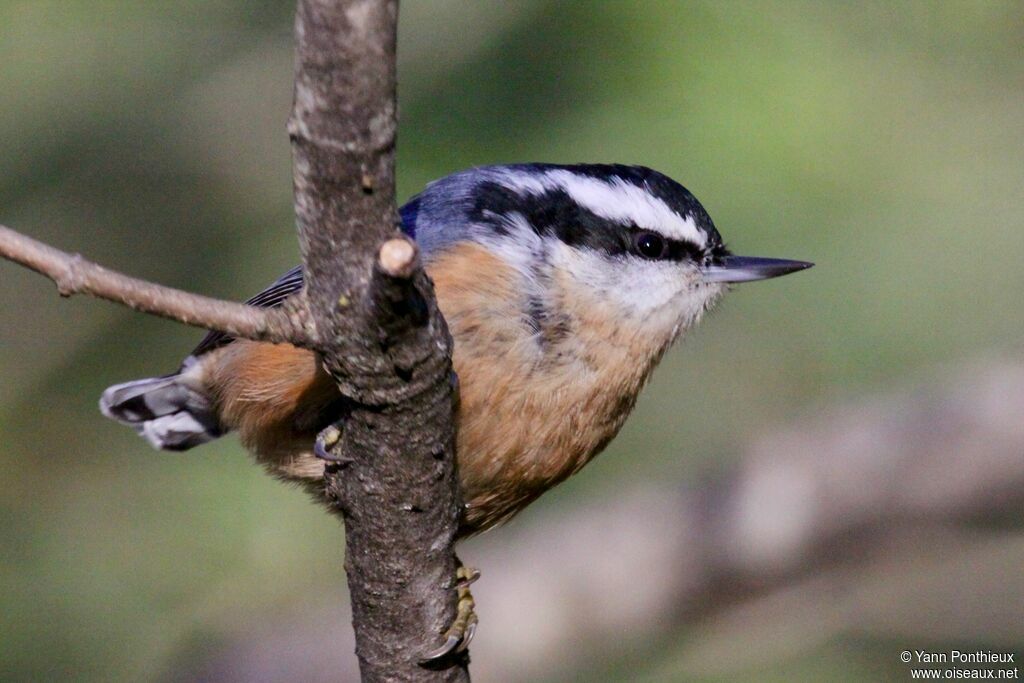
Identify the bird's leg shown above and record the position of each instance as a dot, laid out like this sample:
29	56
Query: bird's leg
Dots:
460	633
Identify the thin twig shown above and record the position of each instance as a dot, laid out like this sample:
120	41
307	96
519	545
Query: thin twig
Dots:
75	275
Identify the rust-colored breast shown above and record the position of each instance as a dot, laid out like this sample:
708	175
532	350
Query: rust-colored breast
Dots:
534	407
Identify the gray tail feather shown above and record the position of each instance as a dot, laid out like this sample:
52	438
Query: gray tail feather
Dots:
165	411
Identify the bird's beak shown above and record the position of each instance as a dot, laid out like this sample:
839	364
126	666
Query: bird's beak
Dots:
750	268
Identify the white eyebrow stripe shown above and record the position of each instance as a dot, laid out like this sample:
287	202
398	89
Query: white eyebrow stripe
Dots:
525	183
623	201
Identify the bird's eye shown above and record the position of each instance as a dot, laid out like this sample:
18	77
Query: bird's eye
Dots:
650	245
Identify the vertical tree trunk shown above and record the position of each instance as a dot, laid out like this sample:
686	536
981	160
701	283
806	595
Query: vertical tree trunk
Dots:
369	311
382	338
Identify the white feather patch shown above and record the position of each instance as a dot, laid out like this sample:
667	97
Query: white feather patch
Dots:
175	429
617	200
623	201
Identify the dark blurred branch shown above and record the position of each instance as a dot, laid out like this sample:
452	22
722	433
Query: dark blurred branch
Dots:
833	513
74	275
854	486
382	338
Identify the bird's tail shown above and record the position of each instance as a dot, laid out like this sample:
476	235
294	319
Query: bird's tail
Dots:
166	411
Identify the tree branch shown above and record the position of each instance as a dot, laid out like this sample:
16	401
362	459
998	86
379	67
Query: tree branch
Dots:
74	275
383	340
370	312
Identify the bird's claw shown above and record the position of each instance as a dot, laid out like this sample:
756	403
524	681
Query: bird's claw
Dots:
440	653
326	440
459	635
465	575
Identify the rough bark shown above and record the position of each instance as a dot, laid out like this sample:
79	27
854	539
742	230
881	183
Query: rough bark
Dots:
381	337
369	311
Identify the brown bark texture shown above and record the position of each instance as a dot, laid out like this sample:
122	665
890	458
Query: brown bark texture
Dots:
369	311
382	338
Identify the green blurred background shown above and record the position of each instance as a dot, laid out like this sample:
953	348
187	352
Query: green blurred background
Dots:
881	141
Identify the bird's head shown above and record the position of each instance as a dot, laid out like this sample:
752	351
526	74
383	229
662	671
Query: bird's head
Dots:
628	244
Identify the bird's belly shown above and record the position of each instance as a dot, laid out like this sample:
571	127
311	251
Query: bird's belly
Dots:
516	442
531	413
533	407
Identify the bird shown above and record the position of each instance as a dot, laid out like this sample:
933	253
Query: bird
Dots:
562	286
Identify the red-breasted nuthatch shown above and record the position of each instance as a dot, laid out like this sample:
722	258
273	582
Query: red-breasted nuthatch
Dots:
562	287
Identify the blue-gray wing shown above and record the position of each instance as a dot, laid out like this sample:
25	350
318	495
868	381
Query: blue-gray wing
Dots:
292	282
271	297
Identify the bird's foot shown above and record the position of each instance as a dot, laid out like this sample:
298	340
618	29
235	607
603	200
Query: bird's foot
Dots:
463	628
325	441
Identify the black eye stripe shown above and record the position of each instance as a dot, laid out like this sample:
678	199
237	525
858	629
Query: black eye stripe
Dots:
677	197
675	250
555	213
